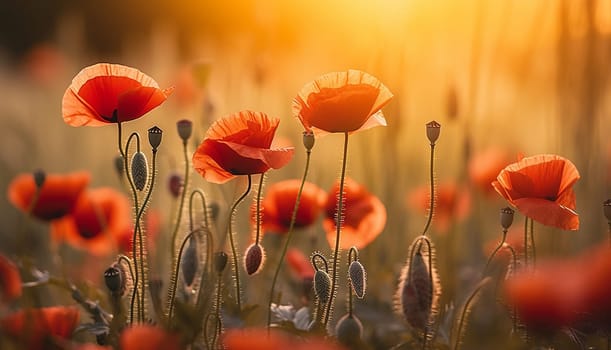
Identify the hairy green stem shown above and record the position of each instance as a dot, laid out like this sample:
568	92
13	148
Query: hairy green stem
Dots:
432	201
175	276
181	203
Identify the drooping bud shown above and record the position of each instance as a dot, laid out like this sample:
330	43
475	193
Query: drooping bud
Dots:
322	286
155	135
253	259
432	131
220	261
185	128
349	331
175	184
358	278
139	170
506	217
114	277
308	140
607	209
39	178
189	262
119	165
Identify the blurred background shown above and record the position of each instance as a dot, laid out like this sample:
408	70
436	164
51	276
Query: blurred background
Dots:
504	78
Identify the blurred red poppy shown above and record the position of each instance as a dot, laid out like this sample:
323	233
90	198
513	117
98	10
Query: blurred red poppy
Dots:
10	280
97	223
364	216
110	93
485	166
37	328
342	102
452	203
596	269
277	206
261	339
299	264
57	196
239	144
145	337
44	63
540	187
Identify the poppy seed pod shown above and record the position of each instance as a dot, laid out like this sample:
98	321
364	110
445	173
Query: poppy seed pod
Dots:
39	177
432	131
308	140
322	286
507	217
189	262
253	259
185	128
139	170
155	135
119	165
607	209
358	278
349	330
115	279
175	184
220	261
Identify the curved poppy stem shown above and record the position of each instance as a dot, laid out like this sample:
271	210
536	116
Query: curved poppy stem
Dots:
289	235
432	201
338	224
526	241
259	190
495	251
175	276
181	203
229	233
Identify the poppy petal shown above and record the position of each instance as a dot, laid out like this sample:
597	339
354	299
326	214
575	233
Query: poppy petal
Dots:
139	101
548	213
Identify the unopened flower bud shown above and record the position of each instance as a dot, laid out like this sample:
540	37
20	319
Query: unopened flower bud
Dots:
155	135
432	131
322	286
220	261
308	140
39	178
253	259
119	165
214	210
185	128
139	170
507	217
114	279
607	209
189	262
175	185
349	330
358	278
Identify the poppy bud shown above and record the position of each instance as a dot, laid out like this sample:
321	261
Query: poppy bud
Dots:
253	259
214	210
39	178
220	261
189	262
308	140
349	330
185	127
322	286
155	137
507	217
175	184
139	170
432	131
119	165
357	278
607	209
115	279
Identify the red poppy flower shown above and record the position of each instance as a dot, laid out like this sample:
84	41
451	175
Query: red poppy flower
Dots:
98	221
547	299
485	166
56	198
364	216
597	285
110	93
36	328
254	339
149	338
10	280
299	264
452	203
277	205
342	102
239	144
540	187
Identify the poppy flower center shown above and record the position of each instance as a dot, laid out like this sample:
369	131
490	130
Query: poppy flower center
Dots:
114	118
89	225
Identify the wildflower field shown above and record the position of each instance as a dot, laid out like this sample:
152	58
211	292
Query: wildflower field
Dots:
305	175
